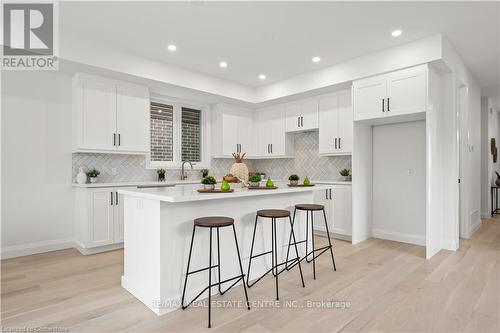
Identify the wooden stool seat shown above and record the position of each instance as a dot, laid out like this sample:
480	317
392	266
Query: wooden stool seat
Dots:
213	221
273	213
309	207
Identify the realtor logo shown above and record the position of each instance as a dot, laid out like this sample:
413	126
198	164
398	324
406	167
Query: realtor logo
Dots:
29	36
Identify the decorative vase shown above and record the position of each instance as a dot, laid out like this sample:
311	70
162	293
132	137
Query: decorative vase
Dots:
81	177
307	181
93	180
208	187
239	169
269	183
294	182
225	186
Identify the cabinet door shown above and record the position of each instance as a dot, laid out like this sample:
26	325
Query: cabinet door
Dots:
98	117
101	217
328	125
369	98
342	210
345	124
322	197
263	137
309	115
119	231
406	91
245	131
229	131
277	131
292	114
132	119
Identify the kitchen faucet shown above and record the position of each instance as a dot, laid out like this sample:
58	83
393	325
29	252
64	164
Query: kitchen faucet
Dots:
183	173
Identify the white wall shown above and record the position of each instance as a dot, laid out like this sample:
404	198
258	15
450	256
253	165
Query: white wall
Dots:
399	182
37	204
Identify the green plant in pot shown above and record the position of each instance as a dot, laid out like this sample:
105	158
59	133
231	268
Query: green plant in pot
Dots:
346	173
161	174
294	179
209	182
254	180
93	174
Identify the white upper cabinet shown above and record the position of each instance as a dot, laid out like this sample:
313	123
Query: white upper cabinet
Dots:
132	118
232	130
109	116
271	138
335	124
398	93
302	116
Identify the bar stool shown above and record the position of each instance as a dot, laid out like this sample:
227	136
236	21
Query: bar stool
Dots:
273	214
311	208
214	222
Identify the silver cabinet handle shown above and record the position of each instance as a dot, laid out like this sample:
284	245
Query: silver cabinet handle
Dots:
383	104
340	146
326	194
111	196
330	194
271	148
335	143
114	139
298	121
119	139
301	121
388	105
116	198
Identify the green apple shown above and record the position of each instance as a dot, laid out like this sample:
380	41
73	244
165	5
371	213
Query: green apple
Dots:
307	181
225	186
269	183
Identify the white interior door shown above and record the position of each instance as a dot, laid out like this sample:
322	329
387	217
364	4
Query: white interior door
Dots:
345	124
328	125
406	91
98	115
132	119
101	216
369	98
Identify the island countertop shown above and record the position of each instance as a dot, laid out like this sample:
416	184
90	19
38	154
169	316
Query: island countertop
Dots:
187	193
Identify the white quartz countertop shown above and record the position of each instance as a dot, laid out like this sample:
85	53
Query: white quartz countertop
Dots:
189	193
139	183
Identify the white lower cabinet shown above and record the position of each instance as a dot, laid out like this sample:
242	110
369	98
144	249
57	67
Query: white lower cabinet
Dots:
338	208
99	219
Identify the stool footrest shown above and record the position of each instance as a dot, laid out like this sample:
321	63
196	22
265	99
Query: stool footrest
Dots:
249	285
239	277
202	269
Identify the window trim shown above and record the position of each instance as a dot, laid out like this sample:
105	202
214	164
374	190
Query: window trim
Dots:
177	105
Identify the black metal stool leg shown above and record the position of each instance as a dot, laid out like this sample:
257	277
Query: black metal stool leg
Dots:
251	251
187	269
218	261
290	240
241	267
329	240
307	236
210	280
312	240
292	233
275	255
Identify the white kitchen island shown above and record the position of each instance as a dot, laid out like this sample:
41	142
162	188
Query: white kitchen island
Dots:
158	226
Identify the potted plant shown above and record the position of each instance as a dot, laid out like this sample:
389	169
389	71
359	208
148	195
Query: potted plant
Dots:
254	180
346	173
92	174
208	182
294	179
161	174
204	173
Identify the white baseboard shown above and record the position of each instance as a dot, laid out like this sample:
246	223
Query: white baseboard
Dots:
449	245
93	250
474	228
399	236
37	247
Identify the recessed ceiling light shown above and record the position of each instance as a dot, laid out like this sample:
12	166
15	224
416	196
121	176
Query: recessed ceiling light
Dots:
262	76
316	59
172	47
223	64
396	33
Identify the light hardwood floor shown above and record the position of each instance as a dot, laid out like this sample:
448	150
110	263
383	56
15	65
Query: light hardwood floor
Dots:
390	287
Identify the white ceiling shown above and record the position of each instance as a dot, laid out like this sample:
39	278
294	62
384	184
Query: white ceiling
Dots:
280	38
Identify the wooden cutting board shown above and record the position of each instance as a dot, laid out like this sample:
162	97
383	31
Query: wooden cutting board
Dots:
262	187
300	185
217	190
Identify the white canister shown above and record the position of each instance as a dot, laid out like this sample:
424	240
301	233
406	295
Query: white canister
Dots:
81	177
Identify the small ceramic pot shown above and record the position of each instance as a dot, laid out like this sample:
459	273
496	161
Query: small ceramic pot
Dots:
208	187
294	182
93	180
254	184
